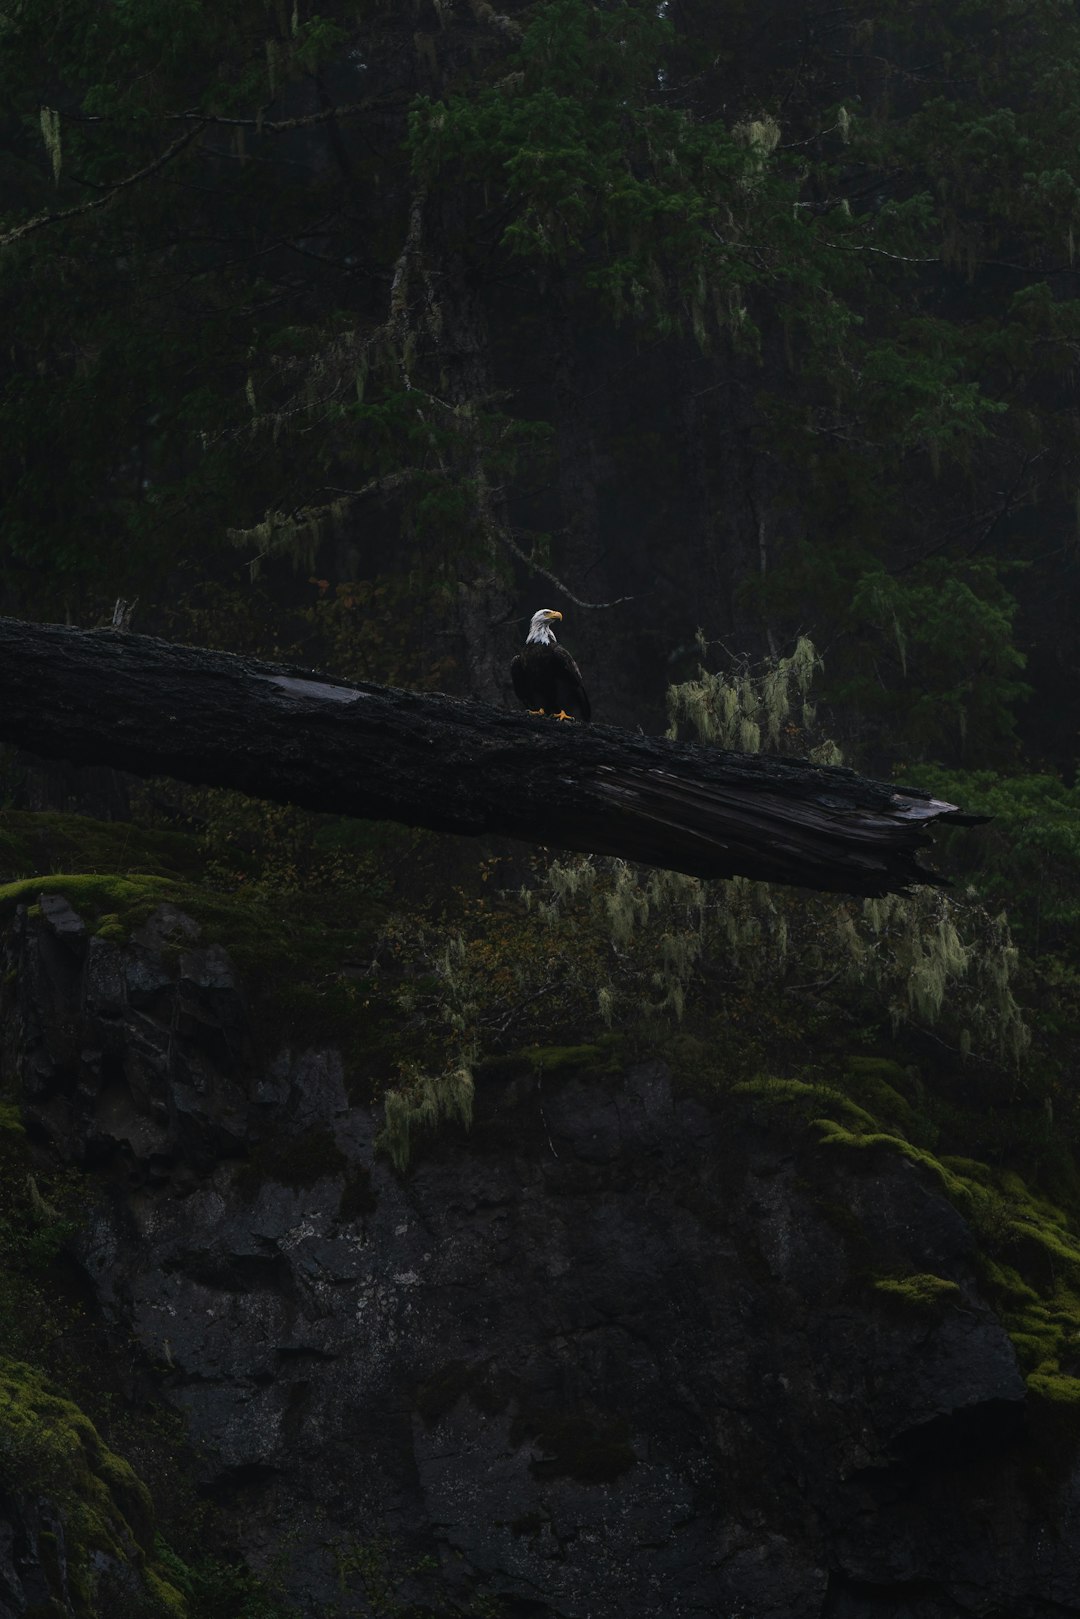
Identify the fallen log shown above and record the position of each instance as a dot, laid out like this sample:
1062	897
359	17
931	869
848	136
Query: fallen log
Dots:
159	709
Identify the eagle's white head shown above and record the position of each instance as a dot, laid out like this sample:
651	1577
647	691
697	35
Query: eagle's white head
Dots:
540	628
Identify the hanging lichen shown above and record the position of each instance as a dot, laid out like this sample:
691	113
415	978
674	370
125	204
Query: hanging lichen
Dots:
744	708
422	1102
50	134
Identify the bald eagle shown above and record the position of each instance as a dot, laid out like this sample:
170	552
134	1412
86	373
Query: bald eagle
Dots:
545	676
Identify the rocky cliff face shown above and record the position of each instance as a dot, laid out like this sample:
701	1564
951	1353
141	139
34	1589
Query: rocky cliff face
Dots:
618	1351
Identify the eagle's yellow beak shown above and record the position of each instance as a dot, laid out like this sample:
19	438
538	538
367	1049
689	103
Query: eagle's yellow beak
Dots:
555	615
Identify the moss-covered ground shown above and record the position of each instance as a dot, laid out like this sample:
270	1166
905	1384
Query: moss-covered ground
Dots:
302	942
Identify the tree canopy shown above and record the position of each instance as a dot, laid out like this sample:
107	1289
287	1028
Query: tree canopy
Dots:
773	328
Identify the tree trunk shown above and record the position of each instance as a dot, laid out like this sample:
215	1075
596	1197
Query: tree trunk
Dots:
148	706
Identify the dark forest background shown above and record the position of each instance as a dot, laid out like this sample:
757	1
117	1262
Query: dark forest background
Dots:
359	334
352	336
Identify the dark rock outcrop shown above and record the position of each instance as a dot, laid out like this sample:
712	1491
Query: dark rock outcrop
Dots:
617	1352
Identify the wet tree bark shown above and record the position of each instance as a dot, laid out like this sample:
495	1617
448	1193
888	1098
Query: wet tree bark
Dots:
155	708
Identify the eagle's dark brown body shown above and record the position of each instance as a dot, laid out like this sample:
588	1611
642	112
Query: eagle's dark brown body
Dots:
545	676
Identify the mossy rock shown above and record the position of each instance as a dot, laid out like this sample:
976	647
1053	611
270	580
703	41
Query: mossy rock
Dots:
293	954
1057	1388
42	842
1029	1253
597	1058
833	1134
802	1101
50	1448
11	1120
922	1291
880	1086
122	902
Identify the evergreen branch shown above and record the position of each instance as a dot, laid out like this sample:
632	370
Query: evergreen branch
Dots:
159	162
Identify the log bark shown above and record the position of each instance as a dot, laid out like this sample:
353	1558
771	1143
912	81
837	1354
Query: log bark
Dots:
159	709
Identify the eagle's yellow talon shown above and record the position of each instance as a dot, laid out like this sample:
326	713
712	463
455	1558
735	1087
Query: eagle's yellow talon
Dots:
563	715
536	711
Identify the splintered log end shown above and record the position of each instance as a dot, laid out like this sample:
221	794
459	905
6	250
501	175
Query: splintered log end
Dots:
799	824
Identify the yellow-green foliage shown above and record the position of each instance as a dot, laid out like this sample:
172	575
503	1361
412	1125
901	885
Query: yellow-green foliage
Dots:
806	1099
875	1081
48	1447
923	958
926	958
50	134
10	1119
421	1102
605	944
564	1059
1056	1387
747	709
109	900
921	1291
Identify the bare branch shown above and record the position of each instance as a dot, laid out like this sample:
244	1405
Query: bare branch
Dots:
899	258
275	126
536	567
159	162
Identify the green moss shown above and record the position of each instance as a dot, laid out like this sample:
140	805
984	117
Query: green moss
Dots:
1007	1284
921	1291
293	953
218	1590
54	1450
804	1100
833	1134
566	1059
1057	1388
31	843
168	1599
297	1161
11	1119
1029	1253
881	1086
122	902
